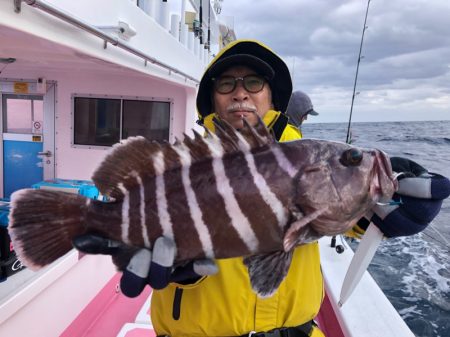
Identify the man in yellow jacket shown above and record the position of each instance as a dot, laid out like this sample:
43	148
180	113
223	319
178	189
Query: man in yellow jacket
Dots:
246	80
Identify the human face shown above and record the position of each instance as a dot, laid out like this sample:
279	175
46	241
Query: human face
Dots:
240	103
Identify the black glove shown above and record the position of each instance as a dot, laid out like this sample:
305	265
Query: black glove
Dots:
417	202
142	266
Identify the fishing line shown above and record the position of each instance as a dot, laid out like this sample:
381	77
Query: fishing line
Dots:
445	245
6	61
437	232
440	243
1	70
343	241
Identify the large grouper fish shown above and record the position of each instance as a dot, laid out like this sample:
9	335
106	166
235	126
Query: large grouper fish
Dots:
228	194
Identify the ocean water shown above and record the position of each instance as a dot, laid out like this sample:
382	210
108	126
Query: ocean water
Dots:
413	272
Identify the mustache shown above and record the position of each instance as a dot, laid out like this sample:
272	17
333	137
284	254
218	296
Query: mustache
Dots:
241	107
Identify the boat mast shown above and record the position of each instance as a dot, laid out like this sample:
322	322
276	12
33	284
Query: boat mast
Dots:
348	138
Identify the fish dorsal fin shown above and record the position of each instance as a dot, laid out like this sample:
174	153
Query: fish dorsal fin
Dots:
227	135
258	135
131	160
248	138
197	146
135	158
121	164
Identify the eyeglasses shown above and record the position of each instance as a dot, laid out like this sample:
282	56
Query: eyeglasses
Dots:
226	84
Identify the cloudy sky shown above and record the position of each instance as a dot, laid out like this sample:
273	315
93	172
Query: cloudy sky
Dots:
405	72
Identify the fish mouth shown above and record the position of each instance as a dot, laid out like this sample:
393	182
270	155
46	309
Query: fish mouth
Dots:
384	182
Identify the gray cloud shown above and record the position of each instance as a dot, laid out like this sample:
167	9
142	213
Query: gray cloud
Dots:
406	50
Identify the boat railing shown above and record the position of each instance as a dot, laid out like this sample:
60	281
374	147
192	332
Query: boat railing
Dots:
176	25
159	11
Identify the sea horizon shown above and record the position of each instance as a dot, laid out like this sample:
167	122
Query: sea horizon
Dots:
412	271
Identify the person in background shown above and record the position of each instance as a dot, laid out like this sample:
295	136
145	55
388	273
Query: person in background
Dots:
246	80
299	107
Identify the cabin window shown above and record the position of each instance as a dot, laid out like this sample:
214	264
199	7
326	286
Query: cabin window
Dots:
20	112
148	119
96	121
105	121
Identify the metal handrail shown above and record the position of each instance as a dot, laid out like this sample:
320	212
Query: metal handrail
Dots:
97	32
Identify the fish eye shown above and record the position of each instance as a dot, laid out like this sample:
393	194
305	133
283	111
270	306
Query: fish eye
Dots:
351	157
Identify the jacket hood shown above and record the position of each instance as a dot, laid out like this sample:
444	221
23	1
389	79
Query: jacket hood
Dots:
256	56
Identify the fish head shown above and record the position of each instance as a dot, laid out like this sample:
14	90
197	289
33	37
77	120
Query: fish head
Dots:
337	184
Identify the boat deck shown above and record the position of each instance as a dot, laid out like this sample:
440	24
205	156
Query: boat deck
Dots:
110	313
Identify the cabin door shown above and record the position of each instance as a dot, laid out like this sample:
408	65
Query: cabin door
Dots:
27	142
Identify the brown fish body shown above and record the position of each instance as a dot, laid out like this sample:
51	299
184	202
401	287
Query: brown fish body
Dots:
226	195
234	216
233	211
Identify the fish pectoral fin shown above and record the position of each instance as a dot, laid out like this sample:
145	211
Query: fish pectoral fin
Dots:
267	271
295	212
300	232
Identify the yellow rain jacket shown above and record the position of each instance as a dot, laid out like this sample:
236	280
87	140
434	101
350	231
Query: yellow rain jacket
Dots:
225	305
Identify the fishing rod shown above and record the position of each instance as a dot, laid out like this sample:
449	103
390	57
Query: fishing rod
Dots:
348	140
339	248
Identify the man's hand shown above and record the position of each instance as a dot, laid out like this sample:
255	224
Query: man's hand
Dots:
142	267
417	201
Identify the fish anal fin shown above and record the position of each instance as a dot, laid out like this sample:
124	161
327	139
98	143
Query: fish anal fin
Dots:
301	232
267	271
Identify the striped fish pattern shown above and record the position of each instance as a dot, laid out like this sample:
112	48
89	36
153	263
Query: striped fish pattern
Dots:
225	195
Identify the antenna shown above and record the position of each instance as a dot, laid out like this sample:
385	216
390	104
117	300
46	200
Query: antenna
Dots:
200	32
209	26
348	140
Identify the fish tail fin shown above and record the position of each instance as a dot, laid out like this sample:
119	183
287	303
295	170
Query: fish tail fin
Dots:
42	224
